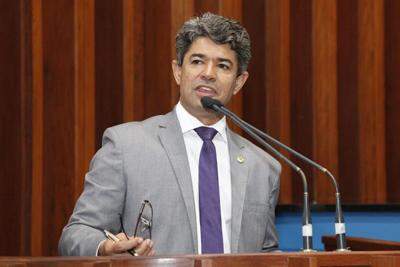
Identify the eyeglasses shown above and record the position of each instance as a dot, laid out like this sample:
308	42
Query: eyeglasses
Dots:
144	221
143	226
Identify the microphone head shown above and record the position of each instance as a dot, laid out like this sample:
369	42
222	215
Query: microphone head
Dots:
210	103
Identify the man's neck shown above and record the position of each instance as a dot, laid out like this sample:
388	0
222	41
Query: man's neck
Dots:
207	120
204	116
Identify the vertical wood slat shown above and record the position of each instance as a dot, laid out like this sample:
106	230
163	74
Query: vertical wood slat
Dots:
157	73
128	16
37	131
59	118
84	99
231	9
324	96
109	75
11	122
371	98
392	98
277	83
254	89
133	62
347	42
138	49
301	88
26	123
203	6
253	92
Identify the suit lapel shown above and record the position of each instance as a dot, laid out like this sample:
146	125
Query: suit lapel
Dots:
171	138
239	176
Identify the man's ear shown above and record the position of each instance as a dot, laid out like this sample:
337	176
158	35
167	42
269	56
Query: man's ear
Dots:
177	71
239	82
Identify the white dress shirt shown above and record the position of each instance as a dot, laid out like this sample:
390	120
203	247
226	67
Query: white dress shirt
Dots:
193	144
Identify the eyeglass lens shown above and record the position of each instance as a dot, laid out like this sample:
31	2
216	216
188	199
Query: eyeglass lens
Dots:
144	221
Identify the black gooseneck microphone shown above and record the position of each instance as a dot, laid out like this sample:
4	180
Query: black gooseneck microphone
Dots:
340	229
217	106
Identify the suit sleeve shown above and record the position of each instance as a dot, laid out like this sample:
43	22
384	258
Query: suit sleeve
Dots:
100	204
271	235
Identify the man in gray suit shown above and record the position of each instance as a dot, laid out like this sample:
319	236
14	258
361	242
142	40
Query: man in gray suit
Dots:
211	190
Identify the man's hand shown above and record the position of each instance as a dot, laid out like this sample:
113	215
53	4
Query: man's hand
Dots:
142	247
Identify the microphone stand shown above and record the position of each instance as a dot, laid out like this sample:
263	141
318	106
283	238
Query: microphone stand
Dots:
340	229
306	220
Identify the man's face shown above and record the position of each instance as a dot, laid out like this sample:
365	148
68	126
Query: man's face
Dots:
208	69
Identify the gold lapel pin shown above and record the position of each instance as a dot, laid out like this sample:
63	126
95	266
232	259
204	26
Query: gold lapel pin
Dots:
240	159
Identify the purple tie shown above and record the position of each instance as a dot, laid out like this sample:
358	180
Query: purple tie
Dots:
210	210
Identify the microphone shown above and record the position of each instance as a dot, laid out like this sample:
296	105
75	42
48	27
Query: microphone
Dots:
210	103
340	229
213	104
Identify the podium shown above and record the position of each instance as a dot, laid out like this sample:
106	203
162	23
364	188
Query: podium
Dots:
326	259
361	244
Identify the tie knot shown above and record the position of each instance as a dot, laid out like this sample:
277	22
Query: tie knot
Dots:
206	133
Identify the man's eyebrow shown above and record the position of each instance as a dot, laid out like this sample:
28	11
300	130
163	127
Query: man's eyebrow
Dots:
220	59
197	55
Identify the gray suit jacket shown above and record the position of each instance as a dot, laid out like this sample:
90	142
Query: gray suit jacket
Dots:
148	160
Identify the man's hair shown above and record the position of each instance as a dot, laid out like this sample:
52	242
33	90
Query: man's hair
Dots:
220	30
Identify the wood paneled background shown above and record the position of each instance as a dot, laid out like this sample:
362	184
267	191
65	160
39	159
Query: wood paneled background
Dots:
324	79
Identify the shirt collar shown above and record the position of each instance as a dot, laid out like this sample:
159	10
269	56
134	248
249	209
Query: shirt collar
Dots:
188	122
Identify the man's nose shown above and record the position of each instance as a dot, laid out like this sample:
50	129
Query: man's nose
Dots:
209	72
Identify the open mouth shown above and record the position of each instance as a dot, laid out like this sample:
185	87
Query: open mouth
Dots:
205	91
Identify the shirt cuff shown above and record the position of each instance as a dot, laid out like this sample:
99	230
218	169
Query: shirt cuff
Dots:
98	247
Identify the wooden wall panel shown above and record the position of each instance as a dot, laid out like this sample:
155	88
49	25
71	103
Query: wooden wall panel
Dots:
254	89
56	97
58	117
324	96
301	110
84	103
26	157
347	41
392	98
128	57
157	70
277	83
203	6
37	131
109	65
323	79
371	102
132	60
11	139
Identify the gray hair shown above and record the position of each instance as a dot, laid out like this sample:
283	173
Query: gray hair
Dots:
219	29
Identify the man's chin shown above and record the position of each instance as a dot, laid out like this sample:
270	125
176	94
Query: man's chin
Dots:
205	112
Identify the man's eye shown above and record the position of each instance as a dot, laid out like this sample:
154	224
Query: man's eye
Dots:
224	67
196	61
